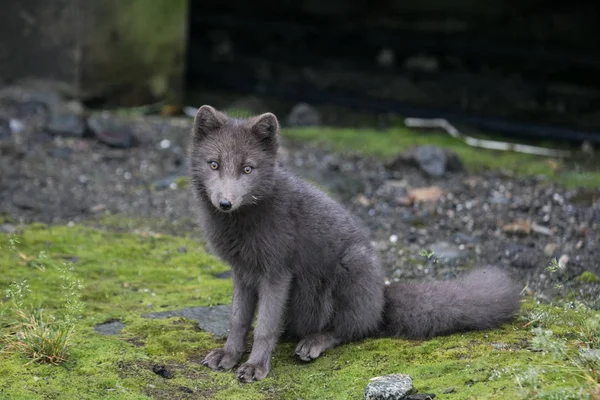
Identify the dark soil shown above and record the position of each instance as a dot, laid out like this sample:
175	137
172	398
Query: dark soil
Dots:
56	179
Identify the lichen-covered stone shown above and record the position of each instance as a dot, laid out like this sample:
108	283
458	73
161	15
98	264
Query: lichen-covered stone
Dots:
110	328
389	387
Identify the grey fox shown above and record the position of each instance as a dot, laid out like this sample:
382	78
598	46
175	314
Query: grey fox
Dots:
306	262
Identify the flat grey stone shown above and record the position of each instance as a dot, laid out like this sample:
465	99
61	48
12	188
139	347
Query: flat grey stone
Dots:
110	133
446	252
224	275
8	228
67	124
389	387
432	160
5	131
110	328
210	319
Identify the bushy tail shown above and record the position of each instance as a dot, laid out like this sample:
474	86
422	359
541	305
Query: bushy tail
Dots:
482	299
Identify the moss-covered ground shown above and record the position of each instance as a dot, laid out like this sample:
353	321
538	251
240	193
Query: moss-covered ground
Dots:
572	172
126	274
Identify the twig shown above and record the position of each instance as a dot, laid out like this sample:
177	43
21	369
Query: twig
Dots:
482	143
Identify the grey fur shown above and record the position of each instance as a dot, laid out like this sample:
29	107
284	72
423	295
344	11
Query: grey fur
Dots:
306	262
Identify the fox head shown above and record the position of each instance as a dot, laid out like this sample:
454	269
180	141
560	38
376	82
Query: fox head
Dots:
232	160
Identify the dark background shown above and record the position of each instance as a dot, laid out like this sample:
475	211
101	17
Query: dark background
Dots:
511	66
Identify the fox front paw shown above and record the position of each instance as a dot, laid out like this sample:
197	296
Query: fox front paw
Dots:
251	372
219	359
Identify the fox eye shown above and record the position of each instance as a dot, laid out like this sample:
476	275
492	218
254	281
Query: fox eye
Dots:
214	165
247	169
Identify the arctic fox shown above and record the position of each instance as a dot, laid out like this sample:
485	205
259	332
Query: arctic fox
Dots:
305	262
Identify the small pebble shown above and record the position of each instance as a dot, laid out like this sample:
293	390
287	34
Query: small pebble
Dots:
563	260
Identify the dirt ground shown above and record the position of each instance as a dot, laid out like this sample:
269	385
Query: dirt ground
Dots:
492	219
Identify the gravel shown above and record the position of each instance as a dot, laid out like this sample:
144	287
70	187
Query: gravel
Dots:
72	179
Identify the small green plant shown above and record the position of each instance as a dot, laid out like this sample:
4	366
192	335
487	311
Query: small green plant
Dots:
33	332
554	266
12	243
426	253
576	350
38	337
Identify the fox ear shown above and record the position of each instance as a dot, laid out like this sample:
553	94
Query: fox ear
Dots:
207	121
266	128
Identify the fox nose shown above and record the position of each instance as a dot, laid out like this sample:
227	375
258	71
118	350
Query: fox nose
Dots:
225	205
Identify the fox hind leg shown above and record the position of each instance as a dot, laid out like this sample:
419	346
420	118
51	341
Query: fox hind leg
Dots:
313	345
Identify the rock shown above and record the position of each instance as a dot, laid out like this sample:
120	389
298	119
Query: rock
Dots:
460	237
33	110
110	328
426	194
389	387
24	202
111	133
5	131
161	370
550	248
563	260
542	230
182	249
211	319
393	188
518	227
98	208
61	152
432	160
527	259
8	228
449	390
164	144
363	200
395	191
67	124
303	114
16	125
223	275
445	251
185	389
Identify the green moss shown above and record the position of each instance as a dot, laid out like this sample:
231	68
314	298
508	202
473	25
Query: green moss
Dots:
126	275
147	225
588	277
390	142
182	182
